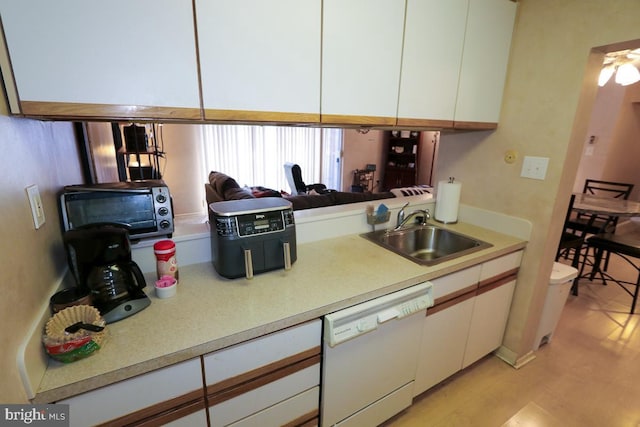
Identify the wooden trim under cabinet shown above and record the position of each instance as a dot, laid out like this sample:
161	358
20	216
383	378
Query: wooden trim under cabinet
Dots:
69	111
425	123
260	116
475	125
458	297
162	412
453	295
243	383
307	420
497	281
339	119
471	291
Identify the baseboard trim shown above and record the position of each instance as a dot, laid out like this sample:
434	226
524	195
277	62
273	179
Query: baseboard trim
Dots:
512	359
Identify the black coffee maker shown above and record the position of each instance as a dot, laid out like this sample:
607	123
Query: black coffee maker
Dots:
100	259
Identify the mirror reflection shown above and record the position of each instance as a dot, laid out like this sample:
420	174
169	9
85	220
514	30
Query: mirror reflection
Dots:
333	159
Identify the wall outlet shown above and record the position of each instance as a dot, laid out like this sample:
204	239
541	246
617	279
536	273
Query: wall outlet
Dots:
534	167
37	211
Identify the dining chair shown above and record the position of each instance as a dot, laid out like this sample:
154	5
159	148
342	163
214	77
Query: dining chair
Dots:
594	224
571	243
617	190
627	247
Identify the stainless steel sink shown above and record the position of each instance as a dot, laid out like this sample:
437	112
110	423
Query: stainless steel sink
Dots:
426	244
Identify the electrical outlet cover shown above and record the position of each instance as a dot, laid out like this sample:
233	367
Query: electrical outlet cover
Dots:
534	167
37	211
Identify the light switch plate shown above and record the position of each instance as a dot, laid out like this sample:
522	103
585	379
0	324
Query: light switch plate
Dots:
534	167
37	211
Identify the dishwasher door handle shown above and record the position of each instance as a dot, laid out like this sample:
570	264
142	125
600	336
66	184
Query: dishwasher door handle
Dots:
386	315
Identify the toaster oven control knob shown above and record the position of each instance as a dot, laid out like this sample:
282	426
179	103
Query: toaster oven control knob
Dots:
161	198
164	224
163	211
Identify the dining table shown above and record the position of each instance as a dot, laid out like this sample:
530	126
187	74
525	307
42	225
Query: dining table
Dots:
607	206
606	210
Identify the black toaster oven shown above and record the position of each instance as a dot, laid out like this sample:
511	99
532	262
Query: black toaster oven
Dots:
143	207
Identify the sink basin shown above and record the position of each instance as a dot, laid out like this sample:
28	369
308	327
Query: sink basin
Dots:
426	244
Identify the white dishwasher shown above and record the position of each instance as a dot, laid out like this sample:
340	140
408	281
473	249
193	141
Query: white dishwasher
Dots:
370	357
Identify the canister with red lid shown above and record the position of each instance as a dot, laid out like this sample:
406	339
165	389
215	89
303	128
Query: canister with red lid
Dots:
166	262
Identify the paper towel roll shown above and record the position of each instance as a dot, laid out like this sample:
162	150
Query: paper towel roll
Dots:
447	202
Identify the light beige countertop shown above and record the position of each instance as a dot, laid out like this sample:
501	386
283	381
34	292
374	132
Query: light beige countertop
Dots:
210	312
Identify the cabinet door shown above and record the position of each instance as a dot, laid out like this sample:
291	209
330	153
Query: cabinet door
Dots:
432	53
102	59
484	62
361	57
490	313
444	337
260	60
492	306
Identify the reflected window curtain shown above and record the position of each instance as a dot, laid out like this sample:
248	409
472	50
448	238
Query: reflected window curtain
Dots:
255	155
332	158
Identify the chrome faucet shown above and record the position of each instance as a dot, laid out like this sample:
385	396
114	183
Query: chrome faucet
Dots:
425	216
400	218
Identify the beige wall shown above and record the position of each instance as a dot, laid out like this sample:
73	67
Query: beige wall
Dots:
31	261
602	125
615	124
622	159
549	94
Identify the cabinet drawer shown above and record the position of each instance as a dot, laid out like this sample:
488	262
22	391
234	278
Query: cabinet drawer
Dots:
297	410
239	359
497	266
271	400
455	284
116	400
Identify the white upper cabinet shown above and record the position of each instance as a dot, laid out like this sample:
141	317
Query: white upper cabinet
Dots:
431	58
111	57
484	61
361	57
260	56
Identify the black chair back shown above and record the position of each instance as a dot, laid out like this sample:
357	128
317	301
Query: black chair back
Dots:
593	225
618	190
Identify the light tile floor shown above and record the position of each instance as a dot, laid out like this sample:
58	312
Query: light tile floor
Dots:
587	375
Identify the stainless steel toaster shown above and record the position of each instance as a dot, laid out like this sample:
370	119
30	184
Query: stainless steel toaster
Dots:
251	236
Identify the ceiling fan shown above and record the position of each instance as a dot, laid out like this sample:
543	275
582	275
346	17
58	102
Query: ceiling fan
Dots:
622	63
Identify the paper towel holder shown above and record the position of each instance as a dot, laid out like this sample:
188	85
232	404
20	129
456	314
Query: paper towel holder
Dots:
445	217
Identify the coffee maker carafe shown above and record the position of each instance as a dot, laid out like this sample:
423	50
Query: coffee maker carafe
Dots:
100	259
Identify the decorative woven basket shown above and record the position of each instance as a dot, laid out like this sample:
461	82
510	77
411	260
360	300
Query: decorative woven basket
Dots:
69	347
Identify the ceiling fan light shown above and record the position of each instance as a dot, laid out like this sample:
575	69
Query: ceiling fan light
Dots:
627	74
605	75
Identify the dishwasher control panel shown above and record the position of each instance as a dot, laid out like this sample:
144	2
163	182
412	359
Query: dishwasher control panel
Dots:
351	322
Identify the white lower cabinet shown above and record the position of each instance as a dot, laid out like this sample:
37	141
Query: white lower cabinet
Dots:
490	313
271	380
167	396
467	320
444	338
